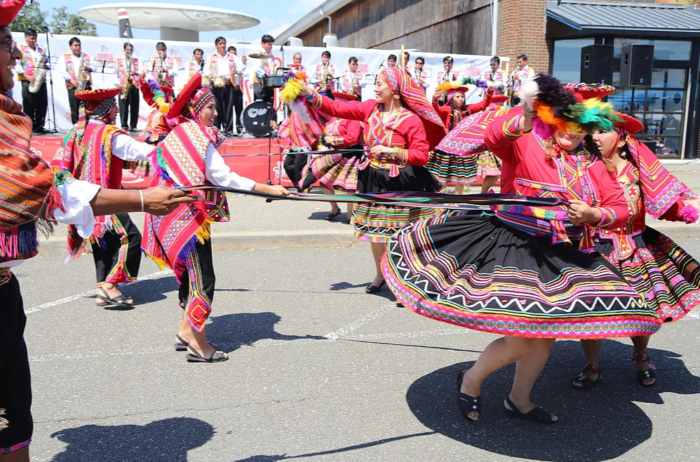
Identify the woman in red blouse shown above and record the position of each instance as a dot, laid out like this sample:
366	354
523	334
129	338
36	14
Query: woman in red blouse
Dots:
450	169
337	171
666	276
523	272
400	128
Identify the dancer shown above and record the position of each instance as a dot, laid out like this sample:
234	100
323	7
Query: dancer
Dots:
400	128
95	150
462	156
449	169
182	241
159	99
46	198
337	171
664	274
518	273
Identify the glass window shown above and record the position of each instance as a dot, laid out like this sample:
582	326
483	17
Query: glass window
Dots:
664	101
566	65
676	50
668	78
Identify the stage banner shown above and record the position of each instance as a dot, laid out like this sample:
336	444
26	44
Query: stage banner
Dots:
104	51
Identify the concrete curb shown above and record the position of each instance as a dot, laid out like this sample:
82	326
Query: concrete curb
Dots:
56	245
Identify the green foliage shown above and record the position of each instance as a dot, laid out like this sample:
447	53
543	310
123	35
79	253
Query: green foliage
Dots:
61	22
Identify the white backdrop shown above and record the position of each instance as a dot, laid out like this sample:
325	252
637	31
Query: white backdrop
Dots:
104	51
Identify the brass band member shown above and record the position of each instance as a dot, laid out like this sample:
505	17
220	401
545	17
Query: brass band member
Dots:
296	63
31	70
238	84
75	68
352	79
391	61
324	73
446	75
224	70
419	75
196	66
127	73
164	66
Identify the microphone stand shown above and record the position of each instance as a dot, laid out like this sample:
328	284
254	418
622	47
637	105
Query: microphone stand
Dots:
50	72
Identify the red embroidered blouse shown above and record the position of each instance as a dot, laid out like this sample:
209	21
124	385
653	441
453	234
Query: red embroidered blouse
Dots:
345	132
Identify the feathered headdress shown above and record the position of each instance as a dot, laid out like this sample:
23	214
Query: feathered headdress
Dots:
291	94
559	108
453	84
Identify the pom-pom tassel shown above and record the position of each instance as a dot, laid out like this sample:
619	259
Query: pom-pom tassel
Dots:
528	93
689	214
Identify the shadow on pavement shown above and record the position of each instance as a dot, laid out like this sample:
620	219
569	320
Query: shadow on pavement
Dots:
232	331
595	425
153	290
165	440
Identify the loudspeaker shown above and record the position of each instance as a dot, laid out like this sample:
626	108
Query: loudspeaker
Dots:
596	64
636	64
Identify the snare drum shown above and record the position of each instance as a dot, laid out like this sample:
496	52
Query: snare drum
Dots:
273	81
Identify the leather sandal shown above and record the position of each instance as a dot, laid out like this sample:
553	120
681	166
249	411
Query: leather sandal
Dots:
216	357
582	382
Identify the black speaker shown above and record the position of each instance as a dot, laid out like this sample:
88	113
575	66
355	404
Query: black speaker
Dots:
596	64
636	64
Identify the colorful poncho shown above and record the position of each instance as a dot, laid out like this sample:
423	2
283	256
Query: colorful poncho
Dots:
180	160
87	155
27	191
304	126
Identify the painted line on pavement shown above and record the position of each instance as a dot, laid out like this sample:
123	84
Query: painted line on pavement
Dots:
89	293
369	317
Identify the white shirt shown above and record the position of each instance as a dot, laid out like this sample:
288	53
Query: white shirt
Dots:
36	57
127	148
63	69
75	197
224	71
219	174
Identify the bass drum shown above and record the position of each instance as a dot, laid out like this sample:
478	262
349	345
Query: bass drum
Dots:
257	117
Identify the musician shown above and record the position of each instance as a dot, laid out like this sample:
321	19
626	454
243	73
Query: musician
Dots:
419	75
351	82
127	73
407	64
520	75
495	76
238	84
296	63
391	61
196	66
69	67
164	66
225	70
324	73
446	75
35	104
266	67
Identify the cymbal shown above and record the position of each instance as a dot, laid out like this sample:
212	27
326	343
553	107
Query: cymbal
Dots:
259	56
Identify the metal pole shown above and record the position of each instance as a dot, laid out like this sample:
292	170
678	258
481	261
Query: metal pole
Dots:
494	27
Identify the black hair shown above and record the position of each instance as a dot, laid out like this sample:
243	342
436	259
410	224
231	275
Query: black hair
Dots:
196	50
523	57
496	59
161	44
392	57
231	48
421	58
73	40
267	38
352	59
218	39
407	54
326	53
448	58
127	44
29	32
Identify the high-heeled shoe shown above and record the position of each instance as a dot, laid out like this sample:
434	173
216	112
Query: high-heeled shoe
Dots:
372	289
467	404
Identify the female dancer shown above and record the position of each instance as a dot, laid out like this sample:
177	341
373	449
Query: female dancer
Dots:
337	171
182	241
519	273
659	270
448	168
401	127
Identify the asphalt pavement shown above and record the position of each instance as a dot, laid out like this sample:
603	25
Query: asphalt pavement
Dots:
319	370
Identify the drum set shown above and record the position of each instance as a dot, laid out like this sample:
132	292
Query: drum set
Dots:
258	115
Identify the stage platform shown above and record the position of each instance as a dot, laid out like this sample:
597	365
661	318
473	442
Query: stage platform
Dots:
237	152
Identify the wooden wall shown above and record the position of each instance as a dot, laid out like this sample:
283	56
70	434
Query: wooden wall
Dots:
437	26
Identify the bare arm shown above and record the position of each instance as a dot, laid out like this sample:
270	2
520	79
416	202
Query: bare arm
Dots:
156	201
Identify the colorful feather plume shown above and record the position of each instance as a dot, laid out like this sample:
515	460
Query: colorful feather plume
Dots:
158	96
291	90
447	86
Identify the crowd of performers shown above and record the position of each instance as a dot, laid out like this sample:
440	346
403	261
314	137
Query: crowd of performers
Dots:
563	251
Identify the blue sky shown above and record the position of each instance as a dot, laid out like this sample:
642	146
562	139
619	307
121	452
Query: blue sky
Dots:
274	15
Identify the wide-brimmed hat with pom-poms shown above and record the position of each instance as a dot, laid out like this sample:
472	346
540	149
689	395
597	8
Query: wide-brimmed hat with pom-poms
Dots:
9	11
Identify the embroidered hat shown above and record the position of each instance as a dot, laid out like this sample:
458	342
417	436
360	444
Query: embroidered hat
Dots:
585	91
628	123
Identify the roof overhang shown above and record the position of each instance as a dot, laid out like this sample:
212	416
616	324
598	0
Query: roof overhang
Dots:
312	18
590	19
